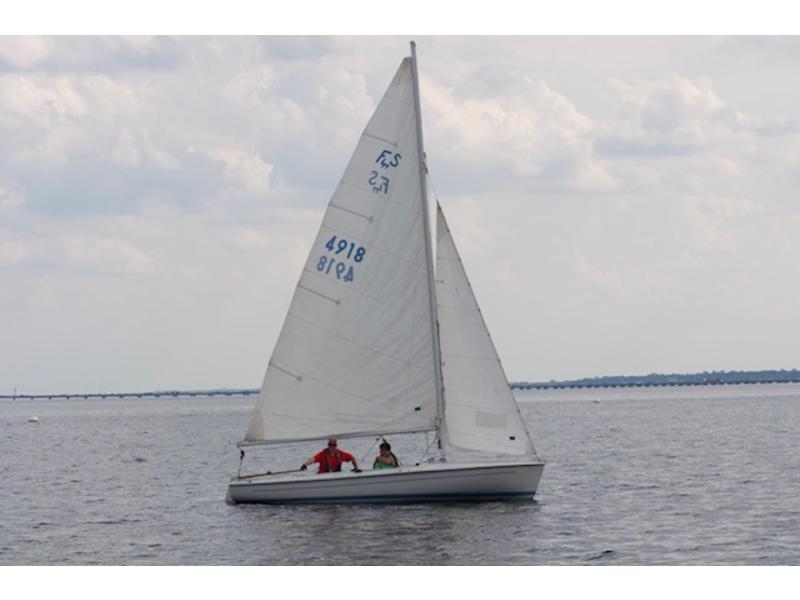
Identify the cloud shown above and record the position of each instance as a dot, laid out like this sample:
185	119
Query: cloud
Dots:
305	112
679	116
535	134
254	86
110	98
468	225
135	149
715	223
89	53
590	184
24	51
74	252
608	278
105	255
48	120
763	51
246	172
10	201
12	251
42	97
297	48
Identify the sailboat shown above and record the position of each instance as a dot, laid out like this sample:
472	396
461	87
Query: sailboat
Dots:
377	342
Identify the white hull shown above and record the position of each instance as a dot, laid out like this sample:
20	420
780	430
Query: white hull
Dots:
443	482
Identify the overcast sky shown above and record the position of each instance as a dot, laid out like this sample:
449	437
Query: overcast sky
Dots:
622	205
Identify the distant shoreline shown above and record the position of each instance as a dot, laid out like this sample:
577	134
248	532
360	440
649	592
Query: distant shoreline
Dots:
673	379
619	381
119	395
564	386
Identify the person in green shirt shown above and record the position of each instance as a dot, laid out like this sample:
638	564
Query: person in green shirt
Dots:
386	459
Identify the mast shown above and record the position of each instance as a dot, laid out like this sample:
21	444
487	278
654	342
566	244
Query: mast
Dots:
423	169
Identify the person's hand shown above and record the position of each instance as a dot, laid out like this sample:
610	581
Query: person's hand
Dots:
356	470
304	467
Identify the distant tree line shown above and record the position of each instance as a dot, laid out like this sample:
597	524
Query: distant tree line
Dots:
706	377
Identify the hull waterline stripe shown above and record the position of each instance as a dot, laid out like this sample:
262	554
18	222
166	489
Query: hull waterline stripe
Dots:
371	479
372	498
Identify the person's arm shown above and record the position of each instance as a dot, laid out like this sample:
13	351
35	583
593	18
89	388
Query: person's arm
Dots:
355	463
310	461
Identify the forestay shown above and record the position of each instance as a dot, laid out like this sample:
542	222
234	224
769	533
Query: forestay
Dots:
480	410
355	354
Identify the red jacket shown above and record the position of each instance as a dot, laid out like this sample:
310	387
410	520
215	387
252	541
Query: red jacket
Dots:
329	463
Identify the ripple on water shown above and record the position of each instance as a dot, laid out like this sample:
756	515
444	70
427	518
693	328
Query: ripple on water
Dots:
603	555
705	496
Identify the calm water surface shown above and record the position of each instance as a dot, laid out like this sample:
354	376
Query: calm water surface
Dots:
698	475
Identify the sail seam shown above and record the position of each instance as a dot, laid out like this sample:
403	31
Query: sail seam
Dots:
274	366
355	343
392	98
471	357
486	436
404	206
507	411
326	422
400	309
377	246
413	262
351	434
464	308
326	431
352	212
349	393
375	137
320	294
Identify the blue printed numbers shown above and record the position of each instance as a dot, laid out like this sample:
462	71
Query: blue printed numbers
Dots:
387	160
326	264
379	183
344	250
342	245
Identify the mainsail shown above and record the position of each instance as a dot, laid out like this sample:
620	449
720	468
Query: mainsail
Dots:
356	351
480	410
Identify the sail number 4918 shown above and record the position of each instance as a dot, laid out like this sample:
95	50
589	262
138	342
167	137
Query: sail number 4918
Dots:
336	266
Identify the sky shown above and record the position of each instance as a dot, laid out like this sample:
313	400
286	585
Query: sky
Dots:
623	205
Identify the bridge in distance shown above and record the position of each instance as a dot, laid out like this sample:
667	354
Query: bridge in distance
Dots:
515	386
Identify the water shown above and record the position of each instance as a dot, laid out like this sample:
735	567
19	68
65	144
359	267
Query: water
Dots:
681	476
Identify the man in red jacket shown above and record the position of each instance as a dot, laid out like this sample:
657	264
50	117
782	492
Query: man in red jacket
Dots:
330	460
